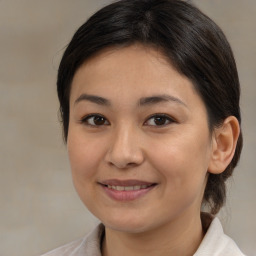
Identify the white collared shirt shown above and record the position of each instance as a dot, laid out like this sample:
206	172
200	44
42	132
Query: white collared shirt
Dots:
215	243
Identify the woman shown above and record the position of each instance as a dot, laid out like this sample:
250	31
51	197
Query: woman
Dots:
149	98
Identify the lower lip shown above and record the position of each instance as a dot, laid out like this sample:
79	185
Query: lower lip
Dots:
126	195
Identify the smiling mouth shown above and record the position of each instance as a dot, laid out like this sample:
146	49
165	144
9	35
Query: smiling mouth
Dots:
126	190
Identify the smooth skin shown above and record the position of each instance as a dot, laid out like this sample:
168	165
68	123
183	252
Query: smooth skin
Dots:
133	116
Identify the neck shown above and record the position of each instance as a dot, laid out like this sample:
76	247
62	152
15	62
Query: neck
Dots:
166	240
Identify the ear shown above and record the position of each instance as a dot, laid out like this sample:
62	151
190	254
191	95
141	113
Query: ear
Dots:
224	140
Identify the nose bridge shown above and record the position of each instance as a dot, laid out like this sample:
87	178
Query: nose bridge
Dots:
125	148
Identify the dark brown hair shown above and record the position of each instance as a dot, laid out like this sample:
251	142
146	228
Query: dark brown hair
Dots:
193	43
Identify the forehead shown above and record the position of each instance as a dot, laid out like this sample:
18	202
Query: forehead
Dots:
135	69
127	57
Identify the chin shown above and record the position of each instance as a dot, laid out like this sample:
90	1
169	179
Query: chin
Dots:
128	228
127	224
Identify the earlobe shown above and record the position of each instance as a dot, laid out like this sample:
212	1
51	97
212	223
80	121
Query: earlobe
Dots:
224	145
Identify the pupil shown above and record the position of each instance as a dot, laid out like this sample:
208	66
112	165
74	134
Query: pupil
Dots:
98	120
160	120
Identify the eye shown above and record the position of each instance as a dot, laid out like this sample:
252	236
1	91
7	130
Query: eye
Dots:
95	120
159	120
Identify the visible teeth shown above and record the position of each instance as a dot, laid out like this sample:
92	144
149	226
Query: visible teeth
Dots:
128	188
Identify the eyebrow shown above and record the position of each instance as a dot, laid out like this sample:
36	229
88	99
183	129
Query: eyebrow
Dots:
94	99
142	102
160	98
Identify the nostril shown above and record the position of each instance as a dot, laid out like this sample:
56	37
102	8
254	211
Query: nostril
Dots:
124	156
123	165
131	164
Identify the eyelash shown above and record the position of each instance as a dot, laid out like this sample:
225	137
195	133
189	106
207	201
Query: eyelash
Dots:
166	118
85	120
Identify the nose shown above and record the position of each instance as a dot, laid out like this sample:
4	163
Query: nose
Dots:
125	150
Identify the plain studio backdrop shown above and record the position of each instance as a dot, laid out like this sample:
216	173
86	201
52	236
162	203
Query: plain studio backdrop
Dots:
39	206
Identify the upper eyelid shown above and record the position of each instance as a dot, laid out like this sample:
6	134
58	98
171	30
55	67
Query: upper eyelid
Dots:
84	118
92	115
170	120
161	115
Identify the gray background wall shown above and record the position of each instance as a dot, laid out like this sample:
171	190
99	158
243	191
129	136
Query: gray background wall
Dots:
39	209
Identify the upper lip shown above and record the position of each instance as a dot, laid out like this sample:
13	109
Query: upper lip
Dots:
125	183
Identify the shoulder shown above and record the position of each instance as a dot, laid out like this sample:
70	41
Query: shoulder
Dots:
216	243
89	245
66	249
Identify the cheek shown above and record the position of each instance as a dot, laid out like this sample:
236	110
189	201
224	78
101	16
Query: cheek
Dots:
84	156
183	174
181	161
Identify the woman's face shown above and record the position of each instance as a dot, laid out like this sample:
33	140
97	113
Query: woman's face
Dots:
138	140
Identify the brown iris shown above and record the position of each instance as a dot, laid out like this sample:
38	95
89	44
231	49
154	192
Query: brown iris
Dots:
99	120
160	120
